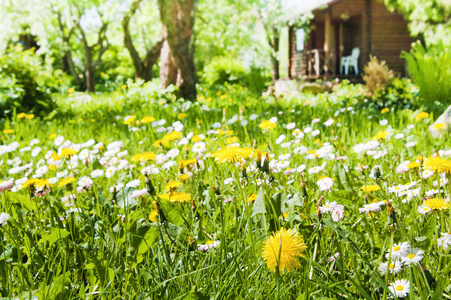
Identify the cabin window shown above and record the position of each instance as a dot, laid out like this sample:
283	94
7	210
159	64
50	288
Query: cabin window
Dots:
300	37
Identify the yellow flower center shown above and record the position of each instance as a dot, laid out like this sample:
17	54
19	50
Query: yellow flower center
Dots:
411	255
397	248
399	288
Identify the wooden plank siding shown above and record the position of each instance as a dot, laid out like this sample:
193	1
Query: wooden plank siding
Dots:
367	25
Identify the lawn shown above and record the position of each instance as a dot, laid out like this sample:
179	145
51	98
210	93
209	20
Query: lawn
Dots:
128	196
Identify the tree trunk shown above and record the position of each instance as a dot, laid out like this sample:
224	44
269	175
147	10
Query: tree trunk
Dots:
168	68
178	18
70	62
275	51
89	73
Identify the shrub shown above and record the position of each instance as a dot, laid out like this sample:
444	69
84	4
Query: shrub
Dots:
430	69
377	75
24	83
224	69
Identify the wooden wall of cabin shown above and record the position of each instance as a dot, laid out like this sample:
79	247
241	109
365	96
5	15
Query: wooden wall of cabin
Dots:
389	36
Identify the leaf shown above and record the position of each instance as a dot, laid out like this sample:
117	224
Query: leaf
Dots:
26	202
125	198
54	235
342	197
428	229
342	176
259	203
171	211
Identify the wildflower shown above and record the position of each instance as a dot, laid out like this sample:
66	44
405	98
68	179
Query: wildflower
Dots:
400	288
370	188
172	185
437	164
383	122
4	218
399	136
134	183
129	119
283	249
395	267
329	122
399	250
232	154
139	193
252	198
144	156
372	207
376	172
413	256
8	131
7	185
436	204
153	215
381	135
385	110
325	183
421	116
208	245
440	126
147	119
66	181
67	152
176	197
267	125
444	241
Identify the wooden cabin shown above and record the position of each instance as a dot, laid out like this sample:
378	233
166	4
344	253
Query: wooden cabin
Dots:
338	27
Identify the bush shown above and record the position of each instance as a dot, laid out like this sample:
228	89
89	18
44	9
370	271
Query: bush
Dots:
24	84
223	70
377	75
430	69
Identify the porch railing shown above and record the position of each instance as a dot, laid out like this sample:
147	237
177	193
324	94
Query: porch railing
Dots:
318	62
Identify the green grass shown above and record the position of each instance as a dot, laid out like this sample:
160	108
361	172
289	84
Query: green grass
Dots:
110	249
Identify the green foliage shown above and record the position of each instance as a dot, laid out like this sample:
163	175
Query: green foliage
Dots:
223	70
24	83
430	70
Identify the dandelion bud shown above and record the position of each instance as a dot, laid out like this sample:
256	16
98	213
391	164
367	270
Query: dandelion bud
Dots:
391	214
258	158
160	213
265	167
243	170
254	145
318	210
150	187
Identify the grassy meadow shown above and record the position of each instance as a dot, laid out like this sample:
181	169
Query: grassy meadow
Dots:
124	196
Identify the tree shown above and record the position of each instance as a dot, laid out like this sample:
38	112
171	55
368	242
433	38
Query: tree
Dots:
178	17
428	18
143	67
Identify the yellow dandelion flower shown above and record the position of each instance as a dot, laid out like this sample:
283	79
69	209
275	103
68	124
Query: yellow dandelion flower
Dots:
52	167
252	198
153	215
413	165
172	185
128	120
437	164
30	182
29	117
159	143
436	204
370	188
172	136
232	140
440	126
196	138
147	119
385	110
176	197
421	116
67	152
183	177
381	135
181	116
52	136
71	90
232	154
21	115
283	250
66	181
43	182
143	156
8	131
267	125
